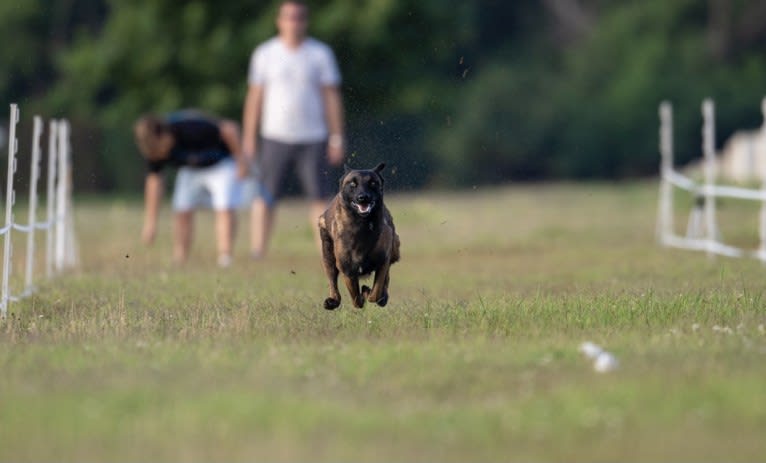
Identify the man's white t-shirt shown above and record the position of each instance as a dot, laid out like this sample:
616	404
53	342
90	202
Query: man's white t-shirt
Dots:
292	80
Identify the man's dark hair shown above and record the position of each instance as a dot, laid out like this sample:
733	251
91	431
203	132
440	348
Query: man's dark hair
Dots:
147	130
299	3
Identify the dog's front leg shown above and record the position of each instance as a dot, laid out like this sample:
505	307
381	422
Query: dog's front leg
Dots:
352	283
379	293
330	269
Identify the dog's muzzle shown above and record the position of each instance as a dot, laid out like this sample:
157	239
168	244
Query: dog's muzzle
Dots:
363	208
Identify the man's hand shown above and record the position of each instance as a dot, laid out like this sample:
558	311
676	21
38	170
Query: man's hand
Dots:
243	170
336	150
335	155
149	233
243	166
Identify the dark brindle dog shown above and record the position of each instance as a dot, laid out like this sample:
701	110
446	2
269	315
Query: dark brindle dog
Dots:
358	238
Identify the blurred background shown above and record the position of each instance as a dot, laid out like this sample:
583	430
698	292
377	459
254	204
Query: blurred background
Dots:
451	94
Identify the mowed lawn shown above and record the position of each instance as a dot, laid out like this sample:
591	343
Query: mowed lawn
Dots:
475	357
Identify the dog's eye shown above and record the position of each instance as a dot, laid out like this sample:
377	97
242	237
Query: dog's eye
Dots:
373	183
352	184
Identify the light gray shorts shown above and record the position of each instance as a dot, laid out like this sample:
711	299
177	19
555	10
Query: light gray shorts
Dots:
306	160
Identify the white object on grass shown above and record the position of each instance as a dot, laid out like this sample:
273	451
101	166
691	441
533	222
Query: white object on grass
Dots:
590	350
605	362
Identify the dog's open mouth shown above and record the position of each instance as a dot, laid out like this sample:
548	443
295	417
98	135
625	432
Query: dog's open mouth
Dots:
363	209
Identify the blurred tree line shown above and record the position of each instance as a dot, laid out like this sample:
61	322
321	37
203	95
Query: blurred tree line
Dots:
450	93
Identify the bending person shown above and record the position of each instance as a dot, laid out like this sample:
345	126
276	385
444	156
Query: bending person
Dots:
206	151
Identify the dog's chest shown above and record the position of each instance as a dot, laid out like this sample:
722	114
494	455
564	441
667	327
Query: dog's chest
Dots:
361	255
361	264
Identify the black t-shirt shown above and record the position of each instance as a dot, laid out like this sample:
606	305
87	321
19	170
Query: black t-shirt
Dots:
198	143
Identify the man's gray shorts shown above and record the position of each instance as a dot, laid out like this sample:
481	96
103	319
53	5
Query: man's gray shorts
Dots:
307	160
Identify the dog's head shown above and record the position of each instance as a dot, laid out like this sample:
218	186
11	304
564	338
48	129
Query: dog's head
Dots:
362	190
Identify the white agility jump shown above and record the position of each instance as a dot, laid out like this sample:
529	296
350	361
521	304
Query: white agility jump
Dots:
702	232
60	246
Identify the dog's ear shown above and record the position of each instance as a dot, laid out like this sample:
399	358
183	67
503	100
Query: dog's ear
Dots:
378	169
346	170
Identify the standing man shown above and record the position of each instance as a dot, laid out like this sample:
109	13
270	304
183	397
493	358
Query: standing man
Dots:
294	103
204	149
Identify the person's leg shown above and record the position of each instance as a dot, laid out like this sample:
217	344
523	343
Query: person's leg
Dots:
261	222
182	235
224	234
273	158
185	192
221	182
314	172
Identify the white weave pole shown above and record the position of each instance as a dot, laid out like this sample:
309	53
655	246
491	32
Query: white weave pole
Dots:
50	197
70	243
71	258
61	196
13	146
762	222
33	177
665	224
708	149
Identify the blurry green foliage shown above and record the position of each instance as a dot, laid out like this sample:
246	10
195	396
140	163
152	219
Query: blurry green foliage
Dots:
449	93
588	109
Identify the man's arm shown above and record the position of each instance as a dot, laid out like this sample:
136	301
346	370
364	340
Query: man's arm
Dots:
251	120
333	104
152	198
230	135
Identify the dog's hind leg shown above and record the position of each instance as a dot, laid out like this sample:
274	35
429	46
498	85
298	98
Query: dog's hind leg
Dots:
395	253
352	283
330	269
384	299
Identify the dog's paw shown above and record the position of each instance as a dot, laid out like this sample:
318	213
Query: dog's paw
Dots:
383	300
331	304
367	294
359	302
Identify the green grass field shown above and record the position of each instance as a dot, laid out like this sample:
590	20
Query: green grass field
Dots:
475	357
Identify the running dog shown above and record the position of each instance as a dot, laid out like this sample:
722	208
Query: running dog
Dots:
358	238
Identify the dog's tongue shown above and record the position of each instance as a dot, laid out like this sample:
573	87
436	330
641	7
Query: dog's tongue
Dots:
363	208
